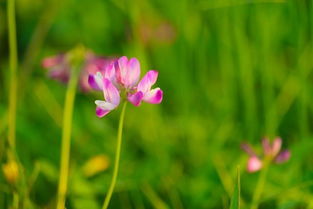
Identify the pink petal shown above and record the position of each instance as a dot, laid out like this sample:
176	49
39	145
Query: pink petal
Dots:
59	73
121	69
53	61
136	98
276	146
93	64
248	149
283	156
85	73
153	96
103	62
91	68
96	81
110	92
127	72
267	149
103	107
147	81
58	67
133	72
101	112
254	164
109	72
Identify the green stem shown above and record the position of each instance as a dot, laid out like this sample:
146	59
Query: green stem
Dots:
117	158
13	85
66	139
13	69
15	200
260	186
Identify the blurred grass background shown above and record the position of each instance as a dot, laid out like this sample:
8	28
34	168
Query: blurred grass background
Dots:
231	71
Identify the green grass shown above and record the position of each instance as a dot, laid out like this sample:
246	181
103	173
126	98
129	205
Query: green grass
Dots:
233	71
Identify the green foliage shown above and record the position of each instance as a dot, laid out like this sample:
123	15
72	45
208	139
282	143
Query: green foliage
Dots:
235	200
231	71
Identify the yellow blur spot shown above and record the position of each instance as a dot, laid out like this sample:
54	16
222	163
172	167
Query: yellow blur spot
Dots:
10	171
96	165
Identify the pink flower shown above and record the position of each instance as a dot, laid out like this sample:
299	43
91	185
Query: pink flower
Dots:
111	96
121	78
270	151
59	67
254	164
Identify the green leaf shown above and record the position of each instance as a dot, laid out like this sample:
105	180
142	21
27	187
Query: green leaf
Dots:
235	201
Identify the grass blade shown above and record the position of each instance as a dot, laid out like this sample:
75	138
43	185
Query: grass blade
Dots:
235	201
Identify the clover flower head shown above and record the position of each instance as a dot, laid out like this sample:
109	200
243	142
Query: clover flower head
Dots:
119	80
271	151
59	67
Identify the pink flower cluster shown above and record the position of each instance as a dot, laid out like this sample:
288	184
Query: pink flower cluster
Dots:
59	67
270	152
120	80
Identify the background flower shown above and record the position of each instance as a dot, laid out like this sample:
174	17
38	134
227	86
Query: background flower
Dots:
271	151
59	67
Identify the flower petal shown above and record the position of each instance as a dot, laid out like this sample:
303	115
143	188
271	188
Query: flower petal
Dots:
136	98
52	61
254	164
121	69
103	108
127	72
283	156
105	105
147	81
58	67
267	149
101	112
59	73
248	149
110	92
153	96
109	72
276	146
96	81
133	72
102	62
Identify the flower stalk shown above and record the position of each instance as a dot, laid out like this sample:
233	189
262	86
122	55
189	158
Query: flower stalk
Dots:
119	81
117	158
13	68
260	186
66	137
12	90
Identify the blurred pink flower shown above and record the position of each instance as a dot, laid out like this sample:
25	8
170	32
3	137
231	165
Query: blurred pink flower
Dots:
270	151
120	79
59	67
